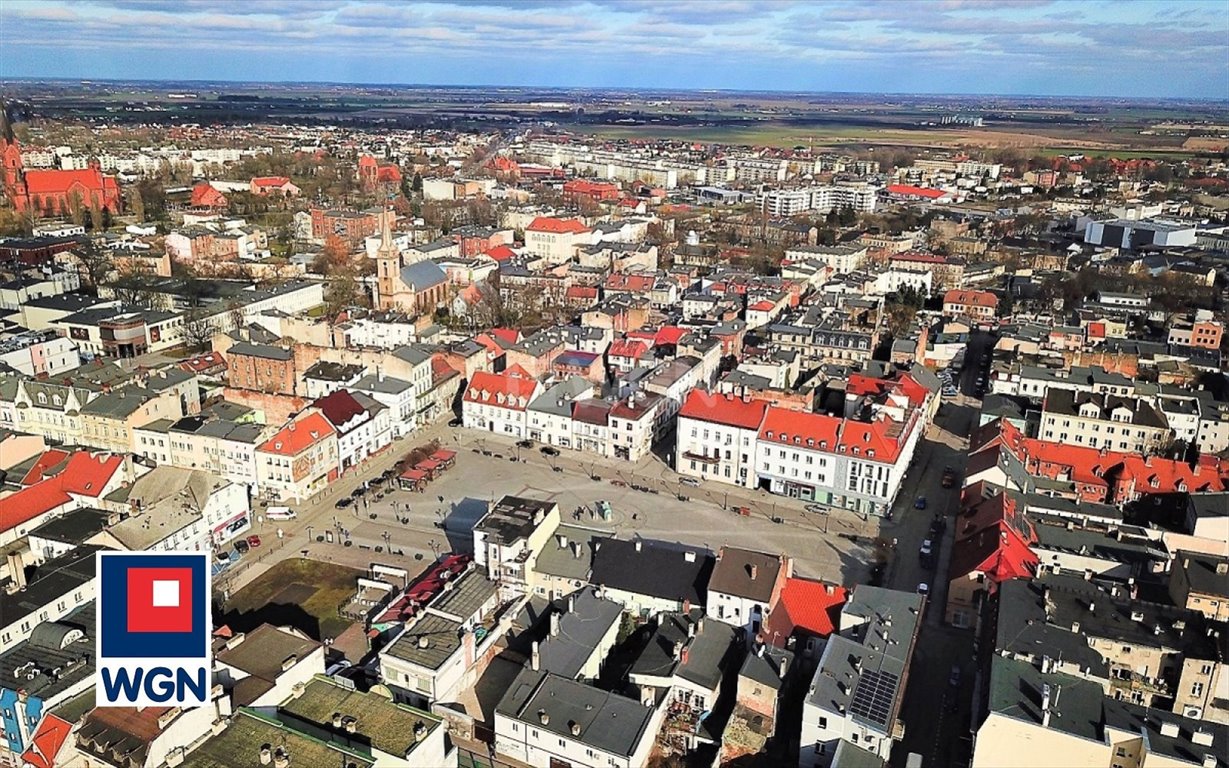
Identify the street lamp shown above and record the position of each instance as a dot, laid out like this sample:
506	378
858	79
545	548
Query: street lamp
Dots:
309	534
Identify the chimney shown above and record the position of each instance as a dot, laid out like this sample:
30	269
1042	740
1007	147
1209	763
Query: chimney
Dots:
266	754
337	720
350	724
574	727
571	603
691	629
554	624
755	571
637	545
684	654
543	718
1202	737
678	649
1222	568
563	541
535	658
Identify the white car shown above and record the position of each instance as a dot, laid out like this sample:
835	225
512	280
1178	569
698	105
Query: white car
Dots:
927	547
923	589
694	483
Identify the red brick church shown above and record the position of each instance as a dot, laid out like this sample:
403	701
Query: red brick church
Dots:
49	192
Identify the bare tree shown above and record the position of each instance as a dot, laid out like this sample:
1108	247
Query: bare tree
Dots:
94	263
198	330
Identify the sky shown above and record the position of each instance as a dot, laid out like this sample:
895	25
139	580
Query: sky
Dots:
1127	48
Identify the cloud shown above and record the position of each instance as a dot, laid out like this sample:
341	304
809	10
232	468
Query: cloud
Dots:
865	45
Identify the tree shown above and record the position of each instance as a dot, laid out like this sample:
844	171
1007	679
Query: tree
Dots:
133	283
94	263
136	204
76	208
198	330
416	185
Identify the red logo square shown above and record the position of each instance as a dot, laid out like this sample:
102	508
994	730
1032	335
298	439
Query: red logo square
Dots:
159	599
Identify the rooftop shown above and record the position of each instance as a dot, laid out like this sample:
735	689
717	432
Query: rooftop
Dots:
391	728
513	518
575	711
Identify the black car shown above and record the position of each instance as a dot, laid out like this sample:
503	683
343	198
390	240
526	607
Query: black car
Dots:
343	502
242	547
455	422
549	451
524	443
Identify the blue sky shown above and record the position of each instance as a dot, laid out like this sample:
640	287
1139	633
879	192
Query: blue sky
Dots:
1176	48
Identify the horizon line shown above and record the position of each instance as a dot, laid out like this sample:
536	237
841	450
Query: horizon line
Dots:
4	79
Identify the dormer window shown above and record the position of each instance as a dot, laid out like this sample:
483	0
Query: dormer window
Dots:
42	398
56	399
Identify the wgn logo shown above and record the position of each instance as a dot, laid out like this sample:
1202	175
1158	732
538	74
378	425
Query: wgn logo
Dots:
153	629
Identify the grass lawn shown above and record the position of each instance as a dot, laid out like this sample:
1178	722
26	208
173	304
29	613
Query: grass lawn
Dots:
303	593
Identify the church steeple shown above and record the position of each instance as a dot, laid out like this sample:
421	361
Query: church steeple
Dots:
388	263
6	128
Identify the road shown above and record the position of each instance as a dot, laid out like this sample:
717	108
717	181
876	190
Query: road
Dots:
937	714
440	519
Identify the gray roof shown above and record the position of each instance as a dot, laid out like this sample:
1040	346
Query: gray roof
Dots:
385	384
605	721
1016	687
73	527
260	350
584	619
57	656
709	651
768	666
653	568
462	598
428	642
573	559
1134	719
1201	572
412	354
51	580
423	275
559	398
859	671
1024	632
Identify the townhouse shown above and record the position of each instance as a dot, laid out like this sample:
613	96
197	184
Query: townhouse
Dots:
299	460
716	437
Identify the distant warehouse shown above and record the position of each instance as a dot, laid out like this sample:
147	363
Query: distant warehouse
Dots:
1131	235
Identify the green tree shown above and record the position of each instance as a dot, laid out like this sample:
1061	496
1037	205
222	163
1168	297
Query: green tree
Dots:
136	204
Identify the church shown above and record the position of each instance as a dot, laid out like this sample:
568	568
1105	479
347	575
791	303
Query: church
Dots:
416	289
51	192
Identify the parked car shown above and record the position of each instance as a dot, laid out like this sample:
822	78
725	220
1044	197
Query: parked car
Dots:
524	443
949	477
920	503
241	547
923	588
343	502
694	483
954	678
816	509
928	548
549	451
253	541
455	422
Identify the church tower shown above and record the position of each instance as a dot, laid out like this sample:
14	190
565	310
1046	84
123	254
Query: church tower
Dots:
388	264
10	159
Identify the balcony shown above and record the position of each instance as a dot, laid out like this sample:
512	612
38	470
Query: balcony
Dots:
701	457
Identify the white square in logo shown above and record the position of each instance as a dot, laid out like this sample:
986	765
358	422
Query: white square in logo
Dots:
166	594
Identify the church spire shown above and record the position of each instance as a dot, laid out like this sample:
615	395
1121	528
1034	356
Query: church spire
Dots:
387	249
6	128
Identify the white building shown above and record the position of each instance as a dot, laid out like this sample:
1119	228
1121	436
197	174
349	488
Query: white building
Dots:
842	259
397	396
173	509
716	437
858	688
362	424
497	402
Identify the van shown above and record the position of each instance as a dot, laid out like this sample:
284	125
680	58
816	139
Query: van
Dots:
280	513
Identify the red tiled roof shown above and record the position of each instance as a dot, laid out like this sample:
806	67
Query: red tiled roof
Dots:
632	348
867	437
581	292
52	182
29	503
912	191
512	389
87	474
812	606
45	744
49	459
810	430
270	181
557	226
388	173
974	298
723	409
83	474
204	362
762	306
669	335
920	257
339	407
205	196
993	538
621	281
506	335
299	435
500	253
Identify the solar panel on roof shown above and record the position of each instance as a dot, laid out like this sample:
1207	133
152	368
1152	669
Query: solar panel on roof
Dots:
872	698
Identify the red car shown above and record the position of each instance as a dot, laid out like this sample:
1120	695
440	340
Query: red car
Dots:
253	541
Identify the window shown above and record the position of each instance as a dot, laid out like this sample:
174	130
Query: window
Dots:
1197	689
823	722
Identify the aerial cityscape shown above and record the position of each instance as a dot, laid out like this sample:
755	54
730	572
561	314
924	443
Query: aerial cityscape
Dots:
613	384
